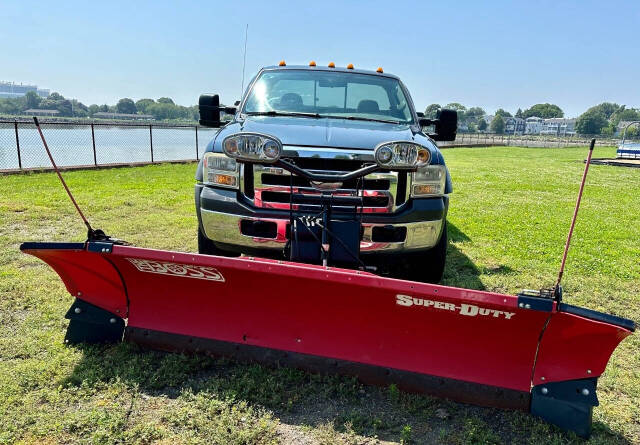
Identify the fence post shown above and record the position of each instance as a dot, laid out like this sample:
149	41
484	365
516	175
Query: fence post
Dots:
151	142
93	142
197	143
15	126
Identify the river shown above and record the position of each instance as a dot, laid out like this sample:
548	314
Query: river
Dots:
72	145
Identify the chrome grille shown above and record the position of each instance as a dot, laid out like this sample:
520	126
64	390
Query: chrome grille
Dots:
270	187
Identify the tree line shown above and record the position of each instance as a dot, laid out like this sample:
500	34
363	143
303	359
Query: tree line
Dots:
605	117
599	119
474	118
162	109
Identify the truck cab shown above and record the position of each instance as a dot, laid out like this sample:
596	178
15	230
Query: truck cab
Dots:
328	121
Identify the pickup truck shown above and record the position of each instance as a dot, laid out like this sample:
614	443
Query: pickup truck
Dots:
328	121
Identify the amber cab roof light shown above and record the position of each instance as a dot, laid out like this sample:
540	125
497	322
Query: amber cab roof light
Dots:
330	65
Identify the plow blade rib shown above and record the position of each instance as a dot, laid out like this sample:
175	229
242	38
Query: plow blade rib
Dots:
473	346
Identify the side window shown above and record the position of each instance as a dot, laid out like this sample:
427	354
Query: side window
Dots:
361	91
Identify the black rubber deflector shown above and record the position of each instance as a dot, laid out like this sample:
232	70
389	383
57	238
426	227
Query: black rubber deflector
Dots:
568	404
598	316
91	324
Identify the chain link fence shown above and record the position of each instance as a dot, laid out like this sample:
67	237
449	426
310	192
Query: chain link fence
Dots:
103	144
98	144
534	140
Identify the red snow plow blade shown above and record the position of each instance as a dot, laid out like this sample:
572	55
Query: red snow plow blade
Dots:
525	352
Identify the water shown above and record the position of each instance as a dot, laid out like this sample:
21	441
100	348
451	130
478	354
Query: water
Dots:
71	145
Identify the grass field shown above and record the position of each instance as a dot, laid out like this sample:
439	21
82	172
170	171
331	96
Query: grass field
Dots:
508	221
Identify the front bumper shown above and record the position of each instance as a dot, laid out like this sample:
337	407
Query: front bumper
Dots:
221	216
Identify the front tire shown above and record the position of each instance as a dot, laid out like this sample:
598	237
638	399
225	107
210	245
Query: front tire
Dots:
207	247
426	266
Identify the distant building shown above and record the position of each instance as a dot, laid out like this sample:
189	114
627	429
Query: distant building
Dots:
514	125
36	112
11	90
125	116
511	124
558	126
534	125
488	118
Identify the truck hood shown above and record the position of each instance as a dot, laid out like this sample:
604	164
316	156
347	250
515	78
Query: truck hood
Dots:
324	132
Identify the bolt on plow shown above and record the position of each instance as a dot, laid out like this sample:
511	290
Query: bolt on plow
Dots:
529	352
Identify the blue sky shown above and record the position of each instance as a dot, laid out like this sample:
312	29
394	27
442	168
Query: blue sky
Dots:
480	53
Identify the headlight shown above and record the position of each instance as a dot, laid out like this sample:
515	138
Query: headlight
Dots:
401	155
252	147
429	180
220	170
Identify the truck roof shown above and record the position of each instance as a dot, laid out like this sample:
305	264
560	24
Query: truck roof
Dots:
326	68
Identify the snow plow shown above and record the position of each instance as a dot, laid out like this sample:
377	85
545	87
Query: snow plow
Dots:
529	351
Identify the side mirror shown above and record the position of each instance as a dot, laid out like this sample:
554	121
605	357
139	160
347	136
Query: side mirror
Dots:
209	108
445	123
420	114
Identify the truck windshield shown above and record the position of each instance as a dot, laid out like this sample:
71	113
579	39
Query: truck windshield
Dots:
329	94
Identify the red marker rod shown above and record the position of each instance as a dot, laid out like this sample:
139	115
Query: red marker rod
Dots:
55	167
575	216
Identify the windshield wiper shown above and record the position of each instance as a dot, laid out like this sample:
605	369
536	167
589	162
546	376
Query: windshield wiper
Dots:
366	119
318	116
283	113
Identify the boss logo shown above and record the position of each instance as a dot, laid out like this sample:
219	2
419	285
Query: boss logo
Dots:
175	269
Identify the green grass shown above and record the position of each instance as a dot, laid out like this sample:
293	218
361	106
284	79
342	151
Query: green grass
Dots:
508	221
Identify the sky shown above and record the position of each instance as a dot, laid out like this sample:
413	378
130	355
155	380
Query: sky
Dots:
492	54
